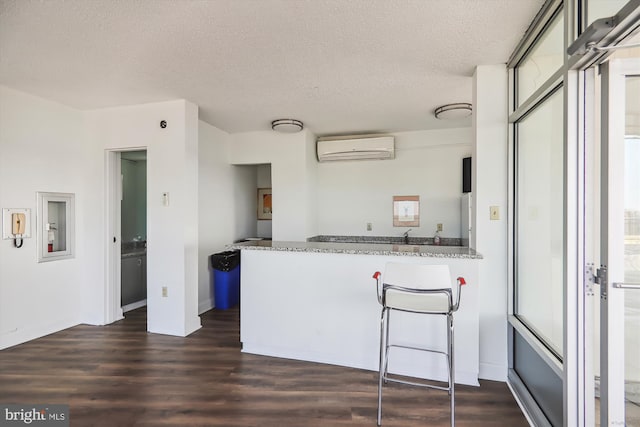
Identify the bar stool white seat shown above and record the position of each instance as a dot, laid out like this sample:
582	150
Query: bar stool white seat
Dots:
420	289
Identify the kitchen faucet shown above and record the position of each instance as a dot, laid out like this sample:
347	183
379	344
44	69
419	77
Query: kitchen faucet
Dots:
406	236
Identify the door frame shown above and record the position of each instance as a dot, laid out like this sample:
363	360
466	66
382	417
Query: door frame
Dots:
113	232
612	371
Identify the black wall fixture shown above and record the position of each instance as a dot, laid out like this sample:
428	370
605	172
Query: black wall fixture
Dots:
466	175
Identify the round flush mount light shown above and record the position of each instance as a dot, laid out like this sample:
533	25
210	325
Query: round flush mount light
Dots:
453	111
287	125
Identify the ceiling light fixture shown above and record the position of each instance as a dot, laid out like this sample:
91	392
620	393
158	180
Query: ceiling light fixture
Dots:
453	111
287	125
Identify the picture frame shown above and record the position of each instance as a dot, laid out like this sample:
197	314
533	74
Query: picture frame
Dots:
406	211
265	205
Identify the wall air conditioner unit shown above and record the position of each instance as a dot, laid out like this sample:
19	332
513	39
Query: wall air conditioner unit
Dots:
371	148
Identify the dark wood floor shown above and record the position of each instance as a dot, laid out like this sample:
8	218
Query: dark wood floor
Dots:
119	375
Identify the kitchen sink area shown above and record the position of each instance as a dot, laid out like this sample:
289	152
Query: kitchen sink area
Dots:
388	240
134	248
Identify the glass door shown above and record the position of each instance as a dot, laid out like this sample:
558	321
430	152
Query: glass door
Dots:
620	243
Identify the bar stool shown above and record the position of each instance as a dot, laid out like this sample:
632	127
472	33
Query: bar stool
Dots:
422	289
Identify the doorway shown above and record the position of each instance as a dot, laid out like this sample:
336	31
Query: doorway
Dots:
616	313
125	238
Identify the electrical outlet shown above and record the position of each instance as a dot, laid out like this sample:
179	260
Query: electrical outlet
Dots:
165	293
494	213
369	226
439	227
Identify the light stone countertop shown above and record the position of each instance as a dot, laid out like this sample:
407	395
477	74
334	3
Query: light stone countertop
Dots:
360	249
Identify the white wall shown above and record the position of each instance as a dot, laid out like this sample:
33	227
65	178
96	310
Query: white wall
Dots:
264	181
187	215
41	149
341	197
292	179
172	231
490	178
227	205
225	191
427	163
245	201
217	204
312	185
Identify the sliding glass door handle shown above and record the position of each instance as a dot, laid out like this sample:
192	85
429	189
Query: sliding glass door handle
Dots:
621	285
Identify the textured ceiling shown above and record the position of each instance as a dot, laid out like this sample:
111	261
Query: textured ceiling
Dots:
340	66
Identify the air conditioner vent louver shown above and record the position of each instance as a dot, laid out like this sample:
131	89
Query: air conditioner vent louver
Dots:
372	148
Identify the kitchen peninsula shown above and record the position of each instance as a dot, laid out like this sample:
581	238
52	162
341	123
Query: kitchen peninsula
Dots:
316	301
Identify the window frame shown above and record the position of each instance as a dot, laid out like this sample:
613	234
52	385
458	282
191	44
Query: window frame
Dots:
518	111
531	329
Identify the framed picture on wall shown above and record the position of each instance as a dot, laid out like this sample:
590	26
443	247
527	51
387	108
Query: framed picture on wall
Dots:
265	208
406	211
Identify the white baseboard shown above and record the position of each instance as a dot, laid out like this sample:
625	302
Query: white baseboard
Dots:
489	371
134	305
205	305
21	335
192	326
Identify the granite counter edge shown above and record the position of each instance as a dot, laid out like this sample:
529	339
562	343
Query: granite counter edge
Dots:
336	250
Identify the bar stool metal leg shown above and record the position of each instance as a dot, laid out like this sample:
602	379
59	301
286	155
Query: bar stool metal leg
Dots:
451	365
387	346
383	357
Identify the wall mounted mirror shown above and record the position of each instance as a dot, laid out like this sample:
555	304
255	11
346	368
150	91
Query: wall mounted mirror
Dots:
56	226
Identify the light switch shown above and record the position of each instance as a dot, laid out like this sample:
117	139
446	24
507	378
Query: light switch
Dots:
369	226
165	293
439	227
165	198
494	213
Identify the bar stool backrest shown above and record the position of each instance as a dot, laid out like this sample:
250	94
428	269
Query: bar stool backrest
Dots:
418	288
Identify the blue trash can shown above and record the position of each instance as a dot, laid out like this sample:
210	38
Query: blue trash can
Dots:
226	279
